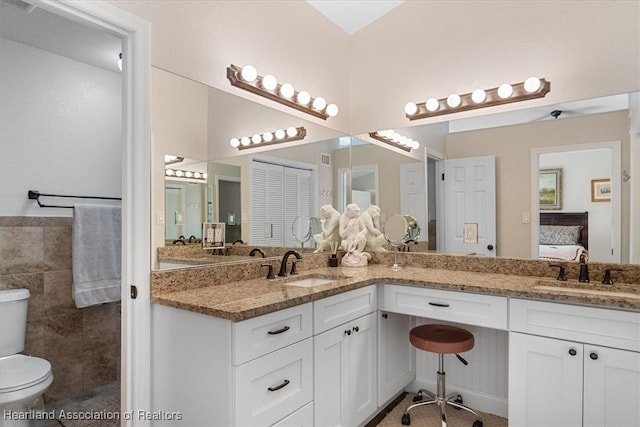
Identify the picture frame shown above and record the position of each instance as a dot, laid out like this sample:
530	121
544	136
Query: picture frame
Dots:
601	190
550	189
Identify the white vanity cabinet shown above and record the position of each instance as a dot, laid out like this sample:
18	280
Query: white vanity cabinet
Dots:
573	366
215	372
345	358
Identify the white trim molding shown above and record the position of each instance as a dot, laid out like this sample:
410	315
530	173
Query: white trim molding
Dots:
136	191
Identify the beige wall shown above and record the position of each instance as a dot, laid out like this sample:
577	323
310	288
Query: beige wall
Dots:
82	344
433	48
289	39
512	147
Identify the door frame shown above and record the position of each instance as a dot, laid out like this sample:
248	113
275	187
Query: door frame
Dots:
135	384
616	198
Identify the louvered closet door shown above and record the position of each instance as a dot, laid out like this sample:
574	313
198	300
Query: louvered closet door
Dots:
297	201
266	204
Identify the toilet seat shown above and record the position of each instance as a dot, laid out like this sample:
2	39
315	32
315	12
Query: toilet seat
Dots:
18	372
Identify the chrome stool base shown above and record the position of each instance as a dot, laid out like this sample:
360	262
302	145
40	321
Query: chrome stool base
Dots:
440	399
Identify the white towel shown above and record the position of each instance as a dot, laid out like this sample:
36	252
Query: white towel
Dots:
96	254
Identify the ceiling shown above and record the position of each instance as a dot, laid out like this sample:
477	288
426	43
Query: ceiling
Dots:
353	15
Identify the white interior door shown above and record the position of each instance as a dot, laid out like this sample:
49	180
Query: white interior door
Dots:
413	194
470	205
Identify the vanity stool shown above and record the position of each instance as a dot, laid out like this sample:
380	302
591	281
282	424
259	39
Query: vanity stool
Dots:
441	339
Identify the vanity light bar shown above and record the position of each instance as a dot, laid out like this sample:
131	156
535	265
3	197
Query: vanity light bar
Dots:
247	78
392	137
531	88
179	173
269	138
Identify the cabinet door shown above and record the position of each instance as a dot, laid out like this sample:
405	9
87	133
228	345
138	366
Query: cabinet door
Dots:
330	385
396	357
611	387
545	382
346	373
361	370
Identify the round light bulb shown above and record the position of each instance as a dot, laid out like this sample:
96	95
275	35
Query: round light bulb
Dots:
453	100
532	84
291	131
235	142
505	91
256	139
410	108
287	91
197	175
204	176
395	137
415	145
188	174
403	140
269	82
385	133
319	103
179	173
432	104
478	96
267	136
169	172
249	73
245	140
303	97
280	134
332	110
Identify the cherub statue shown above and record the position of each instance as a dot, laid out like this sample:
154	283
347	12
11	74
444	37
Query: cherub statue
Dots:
353	236
330	234
375	238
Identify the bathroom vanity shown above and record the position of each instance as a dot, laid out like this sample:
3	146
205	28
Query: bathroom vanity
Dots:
262	352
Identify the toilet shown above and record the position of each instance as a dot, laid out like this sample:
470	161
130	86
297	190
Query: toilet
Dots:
23	379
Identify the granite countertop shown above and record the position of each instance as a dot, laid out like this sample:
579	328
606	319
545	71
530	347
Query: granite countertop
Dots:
240	300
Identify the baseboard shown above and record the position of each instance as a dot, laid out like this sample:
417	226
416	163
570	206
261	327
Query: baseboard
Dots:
472	398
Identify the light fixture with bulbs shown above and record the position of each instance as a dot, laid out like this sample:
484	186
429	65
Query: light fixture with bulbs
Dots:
531	88
185	174
392	137
247	78
269	138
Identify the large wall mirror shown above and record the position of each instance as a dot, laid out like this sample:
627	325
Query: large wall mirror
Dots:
406	183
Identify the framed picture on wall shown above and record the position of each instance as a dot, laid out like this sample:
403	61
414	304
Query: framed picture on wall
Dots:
601	190
550	189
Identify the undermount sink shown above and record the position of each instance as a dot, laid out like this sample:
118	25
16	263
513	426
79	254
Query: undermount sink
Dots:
312	281
616	290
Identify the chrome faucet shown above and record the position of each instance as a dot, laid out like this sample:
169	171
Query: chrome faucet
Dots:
285	258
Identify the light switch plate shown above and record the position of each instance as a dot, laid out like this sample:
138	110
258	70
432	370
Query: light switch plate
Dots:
160	217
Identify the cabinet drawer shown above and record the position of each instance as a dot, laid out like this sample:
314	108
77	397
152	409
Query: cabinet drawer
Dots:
303	417
460	307
601	326
338	309
272	386
261	335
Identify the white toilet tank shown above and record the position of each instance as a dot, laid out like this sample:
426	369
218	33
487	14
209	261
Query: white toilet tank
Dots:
13	320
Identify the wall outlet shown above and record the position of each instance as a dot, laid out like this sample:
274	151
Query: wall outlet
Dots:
526	218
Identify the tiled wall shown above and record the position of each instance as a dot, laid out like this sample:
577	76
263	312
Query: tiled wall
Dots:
83	345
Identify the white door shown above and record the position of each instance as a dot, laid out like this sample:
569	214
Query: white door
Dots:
470	205
297	201
413	194
360	400
396	357
545	382
330	350
611	387
267	215
174	216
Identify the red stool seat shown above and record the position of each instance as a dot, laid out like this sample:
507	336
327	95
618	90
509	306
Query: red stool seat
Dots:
443	339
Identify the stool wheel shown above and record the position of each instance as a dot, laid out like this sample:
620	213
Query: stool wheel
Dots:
406	420
417	397
477	423
459	400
